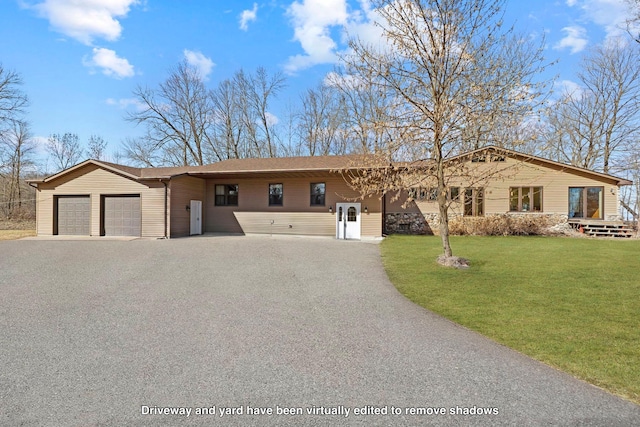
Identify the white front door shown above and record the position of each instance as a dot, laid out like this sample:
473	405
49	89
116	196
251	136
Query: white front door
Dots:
348	220
196	217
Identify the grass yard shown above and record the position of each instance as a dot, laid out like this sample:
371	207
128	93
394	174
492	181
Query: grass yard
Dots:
571	303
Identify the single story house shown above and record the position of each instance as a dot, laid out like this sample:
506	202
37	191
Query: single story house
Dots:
303	196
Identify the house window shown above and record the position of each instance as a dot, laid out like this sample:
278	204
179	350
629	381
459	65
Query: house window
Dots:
454	193
275	194
474	201
586	202
422	193
226	194
525	199
317	193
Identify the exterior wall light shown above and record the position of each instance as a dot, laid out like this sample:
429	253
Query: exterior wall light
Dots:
330	209
366	210
188	208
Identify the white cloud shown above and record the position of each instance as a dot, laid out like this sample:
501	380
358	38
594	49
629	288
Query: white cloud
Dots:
568	88
125	103
333	79
312	21
248	16
611	15
110	63
200	62
85	20
272	119
575	39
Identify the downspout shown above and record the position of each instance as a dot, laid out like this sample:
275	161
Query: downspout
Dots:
166	200
384	214
37	191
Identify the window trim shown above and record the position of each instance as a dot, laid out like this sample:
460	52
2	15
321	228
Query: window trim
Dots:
585	202
532	192
225	195
281	194
475	191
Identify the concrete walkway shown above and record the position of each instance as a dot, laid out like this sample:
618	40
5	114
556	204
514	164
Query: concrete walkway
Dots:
115	333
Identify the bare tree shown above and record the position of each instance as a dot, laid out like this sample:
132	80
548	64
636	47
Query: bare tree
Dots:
177	116
587	128
445	68
65	150
96	148
255	93
228	140
188	124
364	111
320	121
633	22
16	158
13	100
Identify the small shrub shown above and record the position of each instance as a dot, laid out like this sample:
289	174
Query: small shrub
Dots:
499	225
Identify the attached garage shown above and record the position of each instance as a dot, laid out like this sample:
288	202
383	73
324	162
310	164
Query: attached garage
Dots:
73	215
121	215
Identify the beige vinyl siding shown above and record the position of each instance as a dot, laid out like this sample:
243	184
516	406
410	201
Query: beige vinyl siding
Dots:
254	215
554	180
94	181
371	223
301	223
182	190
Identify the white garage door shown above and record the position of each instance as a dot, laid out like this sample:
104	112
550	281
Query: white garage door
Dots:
122	216
74	215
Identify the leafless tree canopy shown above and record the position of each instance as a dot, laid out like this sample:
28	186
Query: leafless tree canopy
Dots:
13	100
16	145
64	150
189	124
96	148
16	161
633	23
587	128
452	78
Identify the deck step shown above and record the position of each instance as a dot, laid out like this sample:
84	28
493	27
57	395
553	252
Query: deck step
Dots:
604	228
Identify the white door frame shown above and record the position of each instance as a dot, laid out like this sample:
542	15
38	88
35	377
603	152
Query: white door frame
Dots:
195	222
345	228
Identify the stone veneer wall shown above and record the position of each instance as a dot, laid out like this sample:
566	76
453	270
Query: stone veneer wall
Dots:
418	223
409	223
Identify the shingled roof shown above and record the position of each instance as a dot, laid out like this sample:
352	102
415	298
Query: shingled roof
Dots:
245	166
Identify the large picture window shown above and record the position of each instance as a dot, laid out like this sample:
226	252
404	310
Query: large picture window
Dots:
275	194
317	193
474	201
525	199
586	202
226	194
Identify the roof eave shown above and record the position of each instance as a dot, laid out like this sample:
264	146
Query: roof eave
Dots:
85	163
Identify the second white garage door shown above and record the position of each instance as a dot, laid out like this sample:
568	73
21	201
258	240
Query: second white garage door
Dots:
122	216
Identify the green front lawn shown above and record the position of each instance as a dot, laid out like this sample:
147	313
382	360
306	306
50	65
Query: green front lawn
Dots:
571	303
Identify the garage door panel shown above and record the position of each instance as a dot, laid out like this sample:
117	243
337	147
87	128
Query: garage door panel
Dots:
74	215
122	216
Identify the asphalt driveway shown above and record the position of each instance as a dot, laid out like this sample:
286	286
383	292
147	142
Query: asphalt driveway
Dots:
115	333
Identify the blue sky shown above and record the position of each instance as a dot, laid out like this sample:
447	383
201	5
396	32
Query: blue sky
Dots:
81	60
